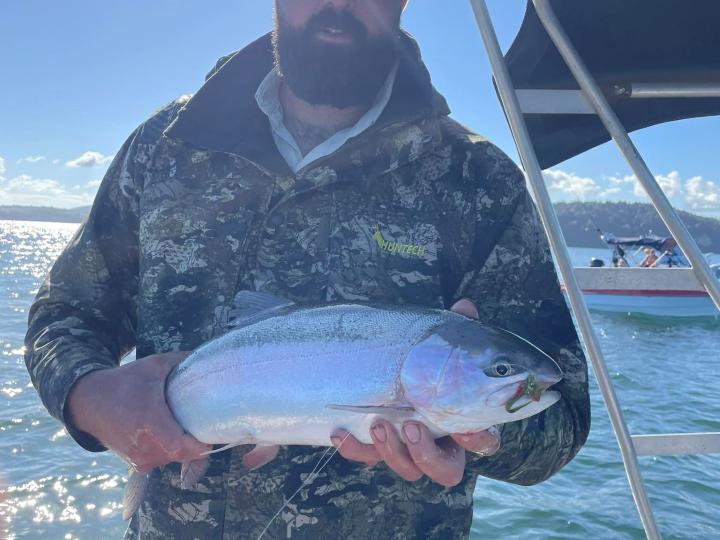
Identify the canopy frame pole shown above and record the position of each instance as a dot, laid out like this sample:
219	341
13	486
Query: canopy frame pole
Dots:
550	221
616	130
668	90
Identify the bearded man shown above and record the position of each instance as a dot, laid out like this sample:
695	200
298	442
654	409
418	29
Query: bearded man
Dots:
317	164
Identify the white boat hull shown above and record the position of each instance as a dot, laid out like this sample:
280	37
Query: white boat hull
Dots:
651	304
670	292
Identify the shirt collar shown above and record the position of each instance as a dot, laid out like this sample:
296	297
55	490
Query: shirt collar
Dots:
268	100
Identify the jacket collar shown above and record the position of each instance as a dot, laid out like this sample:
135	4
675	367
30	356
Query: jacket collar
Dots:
224	116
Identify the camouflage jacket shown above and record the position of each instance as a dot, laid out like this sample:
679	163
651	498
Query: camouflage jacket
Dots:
199	204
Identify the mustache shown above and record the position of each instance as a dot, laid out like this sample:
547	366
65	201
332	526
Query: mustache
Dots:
342	20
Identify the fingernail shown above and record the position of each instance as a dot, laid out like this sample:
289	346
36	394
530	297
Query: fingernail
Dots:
412	433
495	432
467	439
336	441
379	433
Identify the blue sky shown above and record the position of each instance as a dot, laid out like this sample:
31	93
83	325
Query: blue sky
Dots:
77	77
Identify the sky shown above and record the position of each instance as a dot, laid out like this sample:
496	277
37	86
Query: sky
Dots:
77	77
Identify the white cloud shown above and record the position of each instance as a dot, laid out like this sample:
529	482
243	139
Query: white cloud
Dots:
670	183
619	181
610	191
578	187
31	159
2	166
701	194
26	190
696	193
94	183
89	159
56	161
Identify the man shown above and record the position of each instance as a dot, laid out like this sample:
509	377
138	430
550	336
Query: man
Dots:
317	164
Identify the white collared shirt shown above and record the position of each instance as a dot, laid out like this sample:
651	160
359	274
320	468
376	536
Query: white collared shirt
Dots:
268	99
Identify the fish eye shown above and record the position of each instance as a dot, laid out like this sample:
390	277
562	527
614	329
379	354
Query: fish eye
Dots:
501	367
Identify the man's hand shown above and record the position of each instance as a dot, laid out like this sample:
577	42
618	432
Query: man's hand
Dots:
125	409
414	453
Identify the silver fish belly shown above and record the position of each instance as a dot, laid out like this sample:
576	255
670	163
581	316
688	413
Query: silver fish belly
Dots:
277	380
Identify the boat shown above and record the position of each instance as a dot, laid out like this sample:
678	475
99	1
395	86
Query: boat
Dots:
665	287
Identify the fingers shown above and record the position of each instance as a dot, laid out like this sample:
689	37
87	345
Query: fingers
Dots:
180	446
485	443
394	452
465	307
443	460
153	450
163	441
350	448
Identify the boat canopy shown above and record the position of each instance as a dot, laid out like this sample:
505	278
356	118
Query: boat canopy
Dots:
623	43
660	243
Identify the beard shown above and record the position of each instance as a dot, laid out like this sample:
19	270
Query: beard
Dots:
339	75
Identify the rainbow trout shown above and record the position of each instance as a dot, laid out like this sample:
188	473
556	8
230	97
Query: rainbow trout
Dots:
286	375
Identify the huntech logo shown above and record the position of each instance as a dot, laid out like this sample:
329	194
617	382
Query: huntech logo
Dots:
397	248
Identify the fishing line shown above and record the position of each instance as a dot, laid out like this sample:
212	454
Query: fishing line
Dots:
309	480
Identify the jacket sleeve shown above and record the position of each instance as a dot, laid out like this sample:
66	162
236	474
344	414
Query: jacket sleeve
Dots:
511	278
84	315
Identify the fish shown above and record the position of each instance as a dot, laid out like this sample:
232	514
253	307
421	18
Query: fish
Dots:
285	374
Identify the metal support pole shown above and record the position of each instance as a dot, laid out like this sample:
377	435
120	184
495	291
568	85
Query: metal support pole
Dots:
562	258
622	139
668	90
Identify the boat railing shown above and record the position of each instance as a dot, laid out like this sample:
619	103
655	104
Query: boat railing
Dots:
590	100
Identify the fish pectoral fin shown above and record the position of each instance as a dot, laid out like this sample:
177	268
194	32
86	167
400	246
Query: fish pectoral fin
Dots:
192	471
134	493
221	449
385	410
253	306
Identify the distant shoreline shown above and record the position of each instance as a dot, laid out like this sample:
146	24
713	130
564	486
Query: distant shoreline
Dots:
44	213
578	221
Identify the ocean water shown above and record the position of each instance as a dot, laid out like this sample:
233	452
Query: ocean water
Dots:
665	372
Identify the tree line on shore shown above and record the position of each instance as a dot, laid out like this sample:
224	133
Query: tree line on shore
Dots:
579	221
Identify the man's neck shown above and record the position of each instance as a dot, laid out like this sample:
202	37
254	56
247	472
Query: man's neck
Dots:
312	125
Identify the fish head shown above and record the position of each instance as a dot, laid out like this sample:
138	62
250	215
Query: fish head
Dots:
464	377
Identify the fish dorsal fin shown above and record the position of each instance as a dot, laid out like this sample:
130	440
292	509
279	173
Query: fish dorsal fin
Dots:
252	306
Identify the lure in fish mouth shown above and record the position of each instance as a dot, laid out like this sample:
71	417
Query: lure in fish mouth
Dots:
530	390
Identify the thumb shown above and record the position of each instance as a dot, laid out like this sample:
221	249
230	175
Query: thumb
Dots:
465	307
167	361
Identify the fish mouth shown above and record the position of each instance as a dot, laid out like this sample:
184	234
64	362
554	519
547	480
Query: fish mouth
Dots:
528	391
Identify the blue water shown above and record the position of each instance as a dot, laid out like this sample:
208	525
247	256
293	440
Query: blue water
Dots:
665	371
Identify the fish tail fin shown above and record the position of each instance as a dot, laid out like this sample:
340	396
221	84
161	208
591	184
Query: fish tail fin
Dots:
134	495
